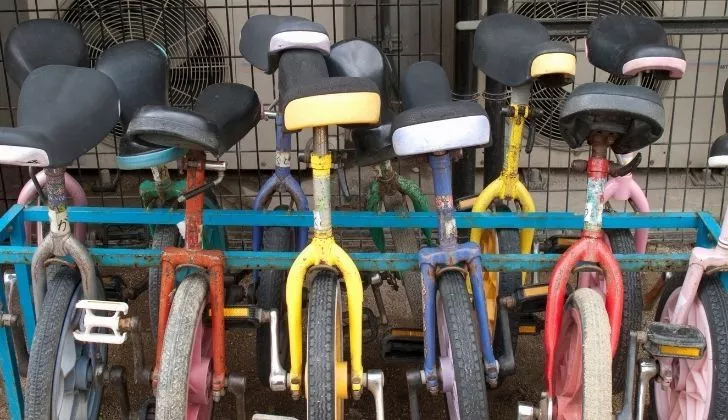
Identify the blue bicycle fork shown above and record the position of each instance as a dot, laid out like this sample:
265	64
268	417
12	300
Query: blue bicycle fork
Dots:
282	181
448	256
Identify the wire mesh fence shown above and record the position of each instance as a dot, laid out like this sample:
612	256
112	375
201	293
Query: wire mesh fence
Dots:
201	38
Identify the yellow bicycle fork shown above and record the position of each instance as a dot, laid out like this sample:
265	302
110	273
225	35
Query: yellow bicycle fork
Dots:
506	187
323	251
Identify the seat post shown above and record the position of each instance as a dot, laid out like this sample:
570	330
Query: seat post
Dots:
442	179
321	164
597	172
57	200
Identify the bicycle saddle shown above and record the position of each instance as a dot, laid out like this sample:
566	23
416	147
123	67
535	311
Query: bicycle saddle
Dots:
63	112
634	113
431	121
140	72
628	45
264	37
40	42
224	113
359	58
515	50
718	157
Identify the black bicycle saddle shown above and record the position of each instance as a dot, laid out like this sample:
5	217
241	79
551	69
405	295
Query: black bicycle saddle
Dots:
40	42
627	45
634	113
63	112
359	58
264	37
431	121
515	50
223	114
140	71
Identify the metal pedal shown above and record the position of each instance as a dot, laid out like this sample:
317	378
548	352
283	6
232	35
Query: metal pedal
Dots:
92	320
528	324
238	316
669	340
528	299
369	327
403	344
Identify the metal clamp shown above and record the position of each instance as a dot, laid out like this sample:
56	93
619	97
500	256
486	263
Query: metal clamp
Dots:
91	320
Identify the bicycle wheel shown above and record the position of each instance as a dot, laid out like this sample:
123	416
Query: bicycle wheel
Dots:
270	293
699	388
461	363
61	371
582	377
407	241
164	236
622	242
185	373
326	372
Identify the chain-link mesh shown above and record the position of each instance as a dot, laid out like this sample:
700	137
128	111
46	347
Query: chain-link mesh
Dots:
202	36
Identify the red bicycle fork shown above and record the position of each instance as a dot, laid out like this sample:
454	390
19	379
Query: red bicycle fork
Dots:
193	255
590	247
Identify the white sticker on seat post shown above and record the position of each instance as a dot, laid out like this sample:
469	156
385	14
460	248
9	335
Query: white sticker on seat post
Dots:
59	222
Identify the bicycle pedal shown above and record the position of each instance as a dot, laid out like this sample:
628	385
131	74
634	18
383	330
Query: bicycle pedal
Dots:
670	340
92	320
530	325
403	344
530	299
238	316
370	326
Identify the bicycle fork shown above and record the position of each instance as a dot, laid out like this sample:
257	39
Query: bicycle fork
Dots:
325	253
433	261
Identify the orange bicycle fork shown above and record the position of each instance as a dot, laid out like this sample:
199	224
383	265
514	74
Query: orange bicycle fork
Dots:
193	255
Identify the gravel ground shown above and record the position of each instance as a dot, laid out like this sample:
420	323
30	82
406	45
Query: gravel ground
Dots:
526	385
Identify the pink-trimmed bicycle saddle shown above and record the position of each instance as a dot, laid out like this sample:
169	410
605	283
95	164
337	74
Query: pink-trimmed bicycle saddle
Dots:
629	45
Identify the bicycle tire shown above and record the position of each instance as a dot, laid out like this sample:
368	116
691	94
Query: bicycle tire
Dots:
469	394
185	318
714	300
51	330
164	236
407	241
622	242
584	314
324	348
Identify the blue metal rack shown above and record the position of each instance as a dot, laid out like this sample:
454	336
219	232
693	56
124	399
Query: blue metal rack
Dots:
17	253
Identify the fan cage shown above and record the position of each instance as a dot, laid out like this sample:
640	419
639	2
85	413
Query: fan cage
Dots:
551	100
192	40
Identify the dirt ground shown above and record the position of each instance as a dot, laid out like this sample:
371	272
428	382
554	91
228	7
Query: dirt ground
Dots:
525	385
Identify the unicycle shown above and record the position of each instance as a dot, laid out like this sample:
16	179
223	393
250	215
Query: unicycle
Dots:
309	98
458	352
190	372
52	134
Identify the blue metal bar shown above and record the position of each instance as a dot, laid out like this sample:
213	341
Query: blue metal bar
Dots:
349	219
22	273
13	218
708	230
365	261
7	219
